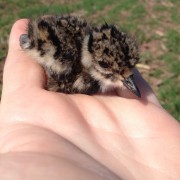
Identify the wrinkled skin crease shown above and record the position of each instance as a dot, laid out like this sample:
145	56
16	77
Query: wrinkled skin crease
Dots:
56	136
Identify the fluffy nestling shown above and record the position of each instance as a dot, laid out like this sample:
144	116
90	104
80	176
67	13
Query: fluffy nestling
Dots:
79	58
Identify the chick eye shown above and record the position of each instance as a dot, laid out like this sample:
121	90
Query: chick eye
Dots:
104	64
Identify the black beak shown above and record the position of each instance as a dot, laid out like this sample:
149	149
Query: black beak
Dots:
130	84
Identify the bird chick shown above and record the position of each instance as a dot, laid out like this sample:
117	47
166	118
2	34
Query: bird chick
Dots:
79	58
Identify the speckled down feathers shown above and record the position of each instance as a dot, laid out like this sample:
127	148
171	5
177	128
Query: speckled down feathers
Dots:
78	57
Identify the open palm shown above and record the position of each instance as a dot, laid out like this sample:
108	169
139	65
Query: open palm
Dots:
57	136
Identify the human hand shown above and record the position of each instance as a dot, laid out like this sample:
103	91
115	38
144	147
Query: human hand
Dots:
56	136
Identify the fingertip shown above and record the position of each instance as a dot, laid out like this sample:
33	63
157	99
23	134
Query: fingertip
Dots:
18	28
20	70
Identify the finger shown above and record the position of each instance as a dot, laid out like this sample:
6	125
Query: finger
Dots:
20	70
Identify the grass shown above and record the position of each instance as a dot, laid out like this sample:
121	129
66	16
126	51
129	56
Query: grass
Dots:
156	25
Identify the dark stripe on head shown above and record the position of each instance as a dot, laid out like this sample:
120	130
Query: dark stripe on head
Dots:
106	76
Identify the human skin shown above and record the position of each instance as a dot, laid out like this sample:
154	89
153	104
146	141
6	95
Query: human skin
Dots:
47	135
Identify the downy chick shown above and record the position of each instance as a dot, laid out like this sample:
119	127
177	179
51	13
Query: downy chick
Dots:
79	58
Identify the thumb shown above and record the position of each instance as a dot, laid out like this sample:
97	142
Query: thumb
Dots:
20	70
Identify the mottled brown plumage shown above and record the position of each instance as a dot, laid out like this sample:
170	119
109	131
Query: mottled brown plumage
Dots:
80	58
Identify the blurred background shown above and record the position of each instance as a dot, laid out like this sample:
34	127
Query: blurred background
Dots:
154	23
